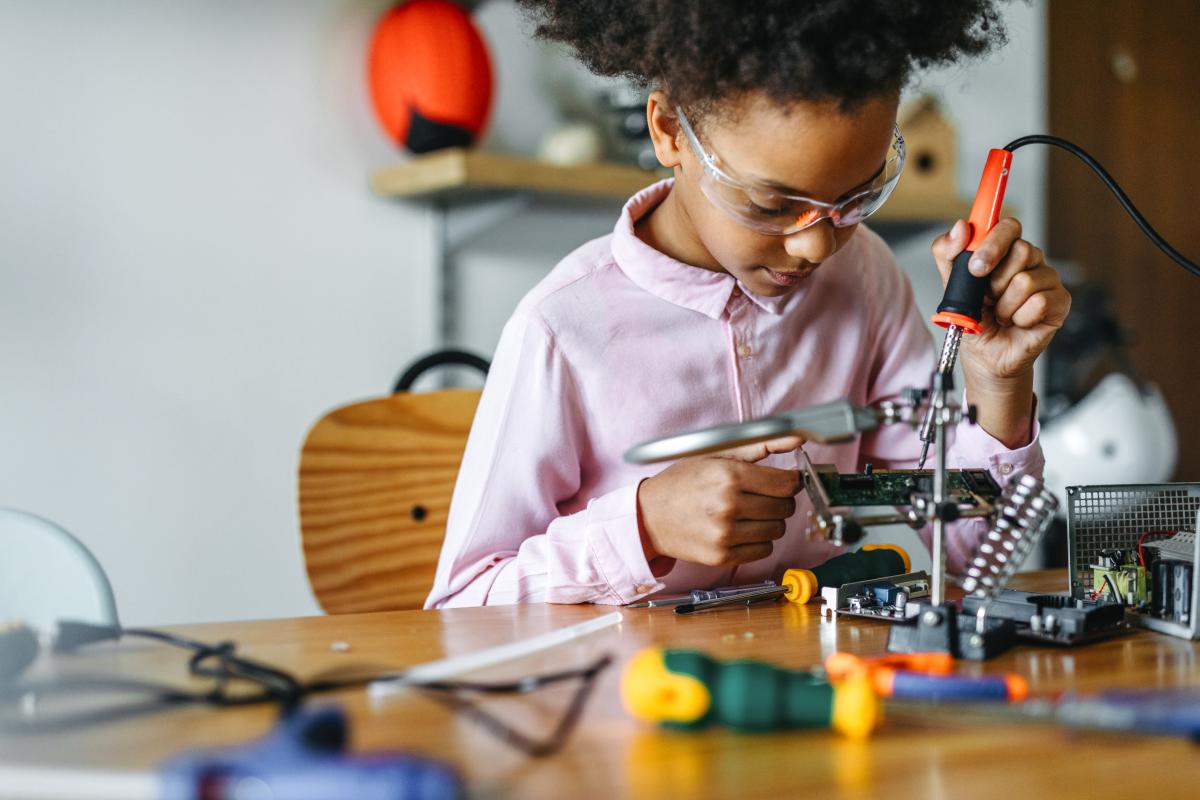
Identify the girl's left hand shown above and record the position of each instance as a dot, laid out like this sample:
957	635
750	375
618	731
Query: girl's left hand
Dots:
1026	301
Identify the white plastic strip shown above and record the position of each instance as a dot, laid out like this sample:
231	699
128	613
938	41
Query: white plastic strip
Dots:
470	662
51	783
1179	546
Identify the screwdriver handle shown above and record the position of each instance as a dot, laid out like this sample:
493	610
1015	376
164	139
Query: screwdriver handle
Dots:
903	685
962	302
687	689
872	561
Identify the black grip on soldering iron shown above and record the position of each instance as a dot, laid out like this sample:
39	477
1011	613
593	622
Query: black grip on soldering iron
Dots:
964	291
962	302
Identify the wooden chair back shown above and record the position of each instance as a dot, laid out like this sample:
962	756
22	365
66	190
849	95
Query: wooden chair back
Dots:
375	485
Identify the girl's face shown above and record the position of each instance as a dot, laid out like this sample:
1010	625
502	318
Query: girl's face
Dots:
812	149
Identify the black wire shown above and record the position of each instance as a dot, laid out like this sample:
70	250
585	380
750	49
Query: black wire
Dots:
221	664
548	744
1108	181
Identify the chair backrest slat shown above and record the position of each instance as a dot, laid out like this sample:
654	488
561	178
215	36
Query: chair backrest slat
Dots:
375	484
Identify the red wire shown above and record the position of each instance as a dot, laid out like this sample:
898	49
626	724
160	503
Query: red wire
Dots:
1142	538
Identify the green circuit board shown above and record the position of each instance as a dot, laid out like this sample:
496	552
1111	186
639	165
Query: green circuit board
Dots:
895	487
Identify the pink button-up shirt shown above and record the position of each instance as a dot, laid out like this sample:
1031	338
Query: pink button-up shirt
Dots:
620	344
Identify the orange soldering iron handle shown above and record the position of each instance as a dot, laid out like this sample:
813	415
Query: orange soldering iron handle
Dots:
962	303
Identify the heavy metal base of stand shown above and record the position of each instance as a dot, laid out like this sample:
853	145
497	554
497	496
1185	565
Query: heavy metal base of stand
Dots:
943	629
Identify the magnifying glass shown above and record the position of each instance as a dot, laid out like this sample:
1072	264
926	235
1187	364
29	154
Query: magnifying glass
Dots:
836	421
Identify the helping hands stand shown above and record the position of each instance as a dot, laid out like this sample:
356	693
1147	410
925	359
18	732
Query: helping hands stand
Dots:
840	421
938	625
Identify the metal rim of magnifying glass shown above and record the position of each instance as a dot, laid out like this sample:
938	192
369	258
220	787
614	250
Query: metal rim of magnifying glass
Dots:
710	440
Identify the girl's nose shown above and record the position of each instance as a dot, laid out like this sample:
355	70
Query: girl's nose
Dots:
813	244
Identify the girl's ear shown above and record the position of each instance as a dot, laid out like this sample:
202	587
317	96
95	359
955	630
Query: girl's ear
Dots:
664	129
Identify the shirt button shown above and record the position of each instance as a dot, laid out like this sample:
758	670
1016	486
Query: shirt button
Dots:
642	588
1006	469
745	350
737	291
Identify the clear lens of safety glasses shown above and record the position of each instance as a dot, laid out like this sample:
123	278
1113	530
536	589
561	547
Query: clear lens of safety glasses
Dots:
771	212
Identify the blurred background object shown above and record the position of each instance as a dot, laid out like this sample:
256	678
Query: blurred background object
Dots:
430	76
928	187
46	574
1101	423
573	143
1123	81
624	111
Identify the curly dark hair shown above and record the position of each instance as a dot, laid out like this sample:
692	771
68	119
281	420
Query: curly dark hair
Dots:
705	51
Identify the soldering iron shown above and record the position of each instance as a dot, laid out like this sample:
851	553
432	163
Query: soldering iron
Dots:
961	309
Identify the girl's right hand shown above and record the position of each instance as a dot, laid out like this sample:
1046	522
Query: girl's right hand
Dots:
720	509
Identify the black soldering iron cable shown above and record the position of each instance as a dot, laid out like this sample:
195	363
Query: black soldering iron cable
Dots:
1108	181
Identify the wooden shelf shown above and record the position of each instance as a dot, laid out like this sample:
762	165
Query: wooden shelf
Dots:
458	173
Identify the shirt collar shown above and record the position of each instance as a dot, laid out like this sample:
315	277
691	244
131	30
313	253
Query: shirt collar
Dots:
691	287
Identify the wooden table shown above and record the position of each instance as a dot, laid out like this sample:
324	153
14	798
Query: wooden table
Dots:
612	756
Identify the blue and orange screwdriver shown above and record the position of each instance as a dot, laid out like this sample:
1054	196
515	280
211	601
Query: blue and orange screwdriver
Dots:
961	310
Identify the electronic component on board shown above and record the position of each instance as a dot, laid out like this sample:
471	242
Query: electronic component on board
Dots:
1119	577
835	496
886	599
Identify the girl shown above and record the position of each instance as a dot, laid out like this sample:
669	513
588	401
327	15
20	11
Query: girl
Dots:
743	286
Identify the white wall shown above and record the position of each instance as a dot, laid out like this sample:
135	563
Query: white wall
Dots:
192	268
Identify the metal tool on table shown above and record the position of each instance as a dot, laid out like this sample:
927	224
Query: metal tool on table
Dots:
699	595
760	595
303	758
1154	712
961	309
800	585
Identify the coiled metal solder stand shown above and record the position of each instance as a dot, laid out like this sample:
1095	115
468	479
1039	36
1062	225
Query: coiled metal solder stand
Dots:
1026	511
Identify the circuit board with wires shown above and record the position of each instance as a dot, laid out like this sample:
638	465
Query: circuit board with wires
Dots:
883	487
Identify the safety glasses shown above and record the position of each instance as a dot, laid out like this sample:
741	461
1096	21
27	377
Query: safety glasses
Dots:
777	213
